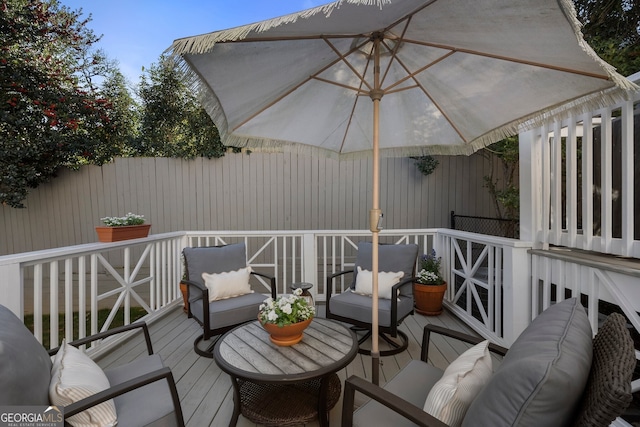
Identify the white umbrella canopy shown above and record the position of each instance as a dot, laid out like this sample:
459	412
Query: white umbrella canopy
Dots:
445	77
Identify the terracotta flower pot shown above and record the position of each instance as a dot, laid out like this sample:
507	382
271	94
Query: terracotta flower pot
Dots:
125	232
428	298
286	335
185	300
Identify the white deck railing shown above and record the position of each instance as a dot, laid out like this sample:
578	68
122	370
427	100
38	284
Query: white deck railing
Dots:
489	278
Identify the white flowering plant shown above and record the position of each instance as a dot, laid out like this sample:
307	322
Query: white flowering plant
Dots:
121	221
286	309
429	273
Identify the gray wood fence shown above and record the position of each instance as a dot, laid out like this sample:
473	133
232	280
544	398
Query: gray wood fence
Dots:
255	191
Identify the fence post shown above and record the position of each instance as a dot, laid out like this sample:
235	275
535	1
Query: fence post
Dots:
11	288
310	263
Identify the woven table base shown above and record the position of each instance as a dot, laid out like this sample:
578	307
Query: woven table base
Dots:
285	404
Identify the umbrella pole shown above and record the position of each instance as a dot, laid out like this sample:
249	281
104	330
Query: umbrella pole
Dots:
375	214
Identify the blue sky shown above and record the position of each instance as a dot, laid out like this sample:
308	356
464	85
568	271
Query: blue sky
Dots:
136	32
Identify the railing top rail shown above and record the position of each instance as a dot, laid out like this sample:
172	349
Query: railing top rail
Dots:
89	248
596	260
84	249
485	238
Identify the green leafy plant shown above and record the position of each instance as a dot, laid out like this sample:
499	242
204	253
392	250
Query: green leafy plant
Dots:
429	273
286	309
426	164
128	219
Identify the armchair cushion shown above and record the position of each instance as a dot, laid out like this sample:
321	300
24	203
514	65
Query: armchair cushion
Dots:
390	258
75	376
230	311
228	284
386	280
552	354
412	384
358	307
213	259
147	405
463	379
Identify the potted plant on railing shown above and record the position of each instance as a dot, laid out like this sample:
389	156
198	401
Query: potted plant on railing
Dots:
130	226
429	287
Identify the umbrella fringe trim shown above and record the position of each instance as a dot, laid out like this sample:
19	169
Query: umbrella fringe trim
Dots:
569	11
205	42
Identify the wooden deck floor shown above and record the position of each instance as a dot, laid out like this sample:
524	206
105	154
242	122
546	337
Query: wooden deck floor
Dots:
205	391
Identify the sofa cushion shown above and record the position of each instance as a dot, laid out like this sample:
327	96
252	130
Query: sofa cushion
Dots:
25	366
463	379
541	379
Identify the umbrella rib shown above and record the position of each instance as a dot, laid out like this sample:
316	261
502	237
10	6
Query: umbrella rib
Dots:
411	75
454	49
293	89
343	58
394	51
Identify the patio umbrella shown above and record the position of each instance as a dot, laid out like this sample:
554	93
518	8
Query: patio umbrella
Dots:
396	78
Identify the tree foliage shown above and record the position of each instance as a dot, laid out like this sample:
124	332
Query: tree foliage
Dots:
503	184
50	116
173	123
612	28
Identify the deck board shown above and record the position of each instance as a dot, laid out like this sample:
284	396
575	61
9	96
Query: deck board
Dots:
206	393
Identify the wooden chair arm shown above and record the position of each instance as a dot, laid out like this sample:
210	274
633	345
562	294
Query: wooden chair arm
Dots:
460	336
386	398
110	332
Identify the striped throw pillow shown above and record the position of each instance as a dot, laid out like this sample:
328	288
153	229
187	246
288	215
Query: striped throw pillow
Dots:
463	379
75	376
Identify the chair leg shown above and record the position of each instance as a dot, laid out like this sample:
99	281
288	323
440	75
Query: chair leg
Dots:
208	351
398	345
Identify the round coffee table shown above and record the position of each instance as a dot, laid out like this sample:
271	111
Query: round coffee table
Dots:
279	386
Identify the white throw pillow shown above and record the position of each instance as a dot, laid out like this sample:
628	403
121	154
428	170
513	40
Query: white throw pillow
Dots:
227	285
463	379
386	280
74	376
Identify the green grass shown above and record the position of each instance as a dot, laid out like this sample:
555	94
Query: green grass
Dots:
135	313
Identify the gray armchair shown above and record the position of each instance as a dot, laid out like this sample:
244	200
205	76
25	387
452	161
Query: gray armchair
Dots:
143	391
555	374
218	315
353	308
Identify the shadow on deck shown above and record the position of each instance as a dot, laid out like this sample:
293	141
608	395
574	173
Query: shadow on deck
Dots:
205	391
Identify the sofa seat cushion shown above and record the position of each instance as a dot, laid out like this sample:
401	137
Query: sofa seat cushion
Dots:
412	384
150	405
542	377
25	366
